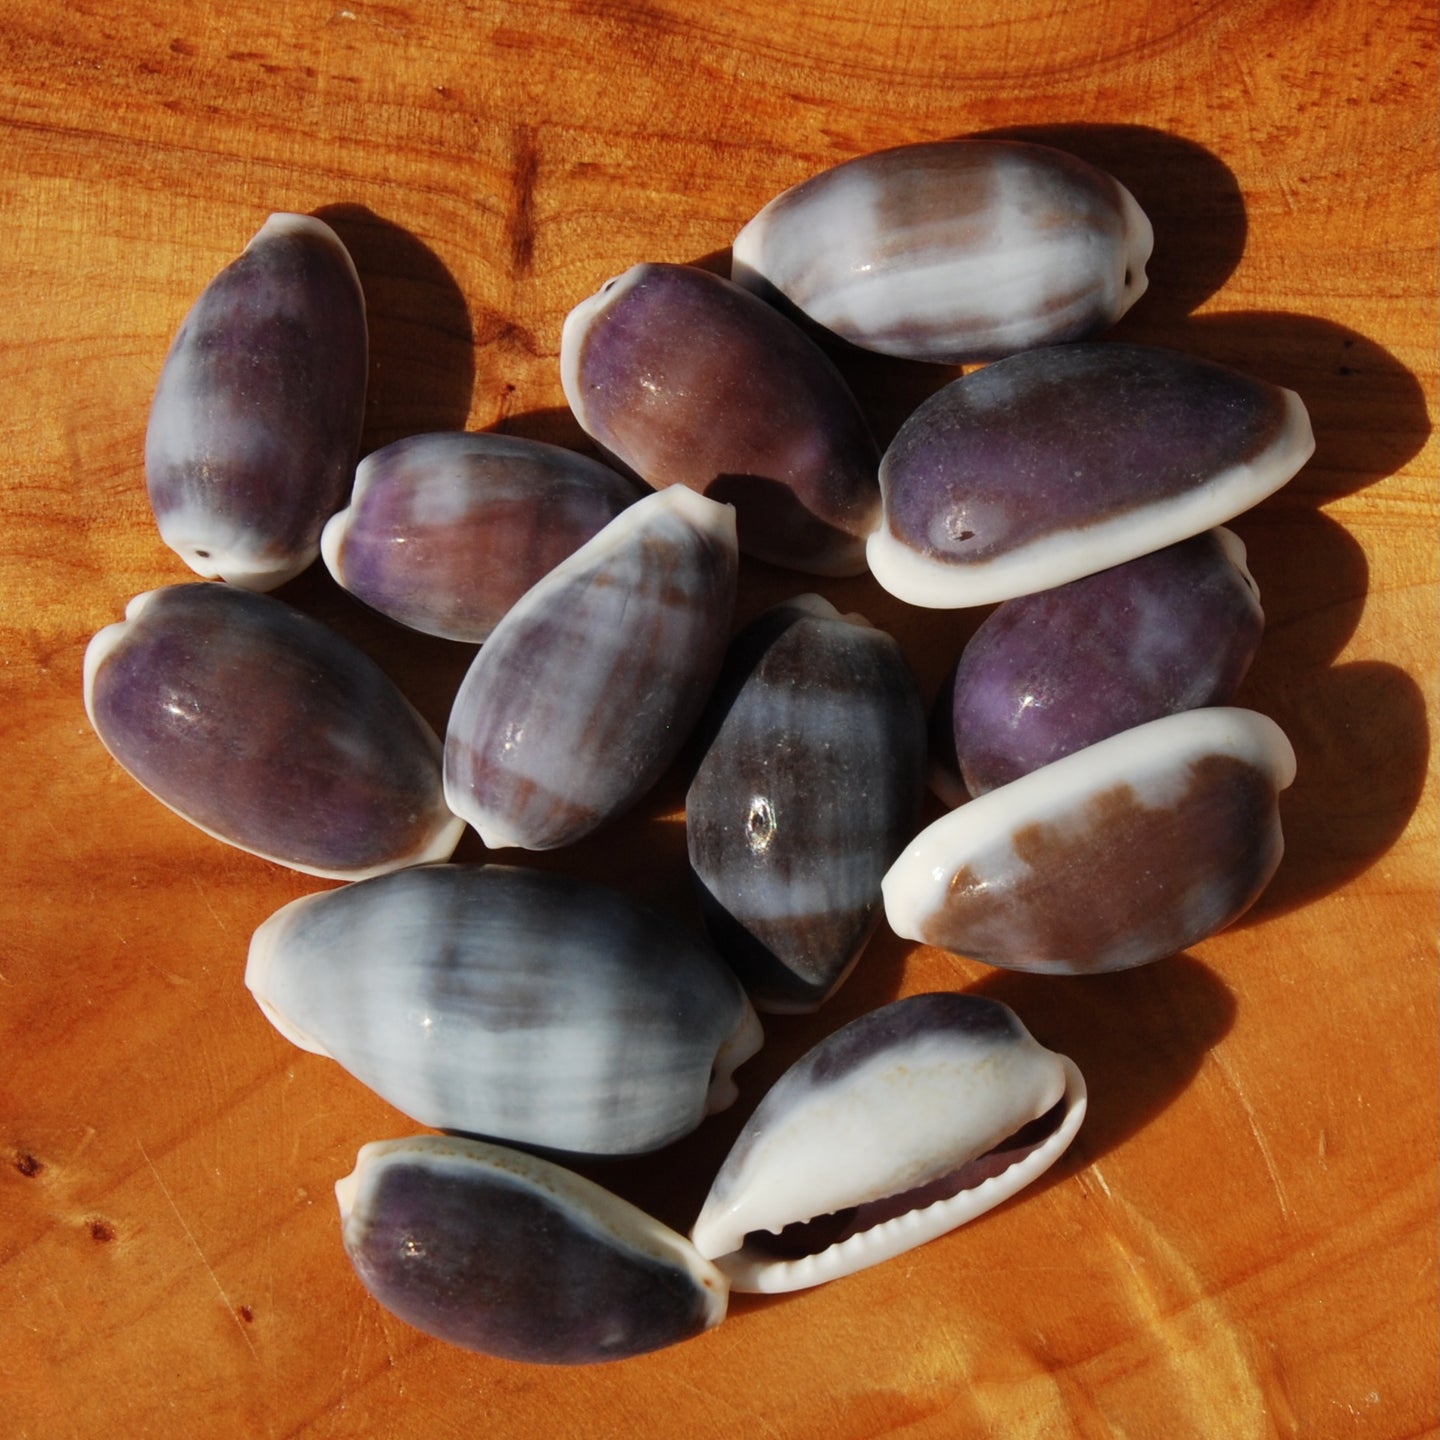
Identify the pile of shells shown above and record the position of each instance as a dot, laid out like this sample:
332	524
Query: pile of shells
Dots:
1110	807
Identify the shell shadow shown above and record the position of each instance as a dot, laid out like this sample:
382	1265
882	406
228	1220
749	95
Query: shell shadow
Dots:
1362	745
889	390
1360	731
422	343
717	262
1367	409
1139	1037
427	669
654	828
554	425
1313	578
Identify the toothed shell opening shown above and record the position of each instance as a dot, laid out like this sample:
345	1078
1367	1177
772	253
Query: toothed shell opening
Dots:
826	1247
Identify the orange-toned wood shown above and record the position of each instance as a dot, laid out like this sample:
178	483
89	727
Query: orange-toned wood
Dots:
1243	1241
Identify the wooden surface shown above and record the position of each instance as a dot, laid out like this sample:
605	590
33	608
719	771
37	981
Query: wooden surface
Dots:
1242	1243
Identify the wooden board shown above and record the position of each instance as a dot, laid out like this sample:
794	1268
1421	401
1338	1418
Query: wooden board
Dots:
1242	1242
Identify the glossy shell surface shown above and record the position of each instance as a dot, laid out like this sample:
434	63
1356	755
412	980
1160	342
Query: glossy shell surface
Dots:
900	1126
1050	673
1119	854
269	732
592	682
519	1258
256	419
691	380
445	532
809	787
959	250
516	1004
1057	463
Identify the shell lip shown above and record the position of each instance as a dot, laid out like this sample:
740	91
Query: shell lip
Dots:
258	965
220	549
333	535
574	331
811	1250
1139	242
261	574
742	1043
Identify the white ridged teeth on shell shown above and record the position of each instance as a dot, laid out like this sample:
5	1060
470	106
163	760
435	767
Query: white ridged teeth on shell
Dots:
256	419
900	1126
513	1256
591	683
517	1004
952	251
1119	854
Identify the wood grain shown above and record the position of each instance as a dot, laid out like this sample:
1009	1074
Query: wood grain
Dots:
1243	1241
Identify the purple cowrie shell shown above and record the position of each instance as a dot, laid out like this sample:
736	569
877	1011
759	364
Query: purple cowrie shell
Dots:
690	380
1056	463
256	419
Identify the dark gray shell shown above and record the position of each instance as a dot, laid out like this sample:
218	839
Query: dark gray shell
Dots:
951	251
592	682
518	1004
1050	673
257	416
269	732
516	1257
691	380
444	533
1057	463
809	788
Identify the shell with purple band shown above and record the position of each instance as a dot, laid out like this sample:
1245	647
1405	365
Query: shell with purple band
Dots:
952	251
269	732
513	1256
810	785
591	683
256	419
900	1126
1050	673
517	1004
445	532
1116	855
1056	463
690	380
